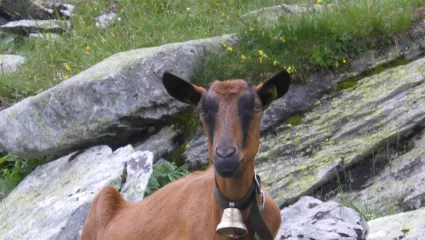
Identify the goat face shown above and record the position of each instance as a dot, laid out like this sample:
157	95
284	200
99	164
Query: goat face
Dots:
230	112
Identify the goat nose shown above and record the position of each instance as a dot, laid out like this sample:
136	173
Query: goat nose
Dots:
225	152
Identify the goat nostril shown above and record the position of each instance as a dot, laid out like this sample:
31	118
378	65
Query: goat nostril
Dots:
225	152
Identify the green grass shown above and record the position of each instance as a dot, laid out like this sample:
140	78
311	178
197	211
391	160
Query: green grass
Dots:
12	170
313	42
143	24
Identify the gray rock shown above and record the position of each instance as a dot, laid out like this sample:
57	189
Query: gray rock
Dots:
302	97
53	201
398	187
106	19
138	170
160	144
406	226
24	9
10	63
310	218
119	98
342	131
196	153
270	15
66	10
25	27
46	36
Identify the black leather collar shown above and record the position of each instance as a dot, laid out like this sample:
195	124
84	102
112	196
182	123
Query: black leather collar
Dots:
255	215
245	201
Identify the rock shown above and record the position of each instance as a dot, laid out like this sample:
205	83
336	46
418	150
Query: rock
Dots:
270	15
25	27
10	63
160	144
66	10
106	19
342	131
399	186
24	9
139	170
310	218
117	99
53	201
406	226
46	36
302	97
196	153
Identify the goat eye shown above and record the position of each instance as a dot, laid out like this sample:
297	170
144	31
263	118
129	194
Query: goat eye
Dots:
258	107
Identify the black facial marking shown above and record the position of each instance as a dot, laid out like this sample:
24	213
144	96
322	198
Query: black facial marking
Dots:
246	112
210	108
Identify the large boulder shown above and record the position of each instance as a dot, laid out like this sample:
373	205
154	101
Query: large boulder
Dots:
310	218
25	27
302	98
119	98
53	201
24	9
406	226
345	129
396	187
10	63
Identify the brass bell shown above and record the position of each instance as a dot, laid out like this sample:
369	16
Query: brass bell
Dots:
231	224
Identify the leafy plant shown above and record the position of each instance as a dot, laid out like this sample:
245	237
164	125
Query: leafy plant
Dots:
12	170
164	173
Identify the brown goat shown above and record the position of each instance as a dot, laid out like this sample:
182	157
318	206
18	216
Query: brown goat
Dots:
230	112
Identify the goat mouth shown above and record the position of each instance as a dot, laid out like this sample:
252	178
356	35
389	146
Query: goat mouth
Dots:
226	168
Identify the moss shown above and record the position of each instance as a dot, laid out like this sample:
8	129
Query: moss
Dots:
351	82
185	123
295	120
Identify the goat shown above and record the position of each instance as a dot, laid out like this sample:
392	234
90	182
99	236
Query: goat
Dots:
230	112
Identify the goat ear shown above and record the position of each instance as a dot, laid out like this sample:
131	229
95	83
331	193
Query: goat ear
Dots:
181	89
274	88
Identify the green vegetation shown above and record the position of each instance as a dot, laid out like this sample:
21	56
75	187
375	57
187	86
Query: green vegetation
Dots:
142	24
164	173
315	41
301	43
12	170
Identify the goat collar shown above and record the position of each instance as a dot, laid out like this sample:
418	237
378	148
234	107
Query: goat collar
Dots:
255	216
245	201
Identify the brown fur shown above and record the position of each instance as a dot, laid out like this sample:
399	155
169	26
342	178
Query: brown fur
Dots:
187	208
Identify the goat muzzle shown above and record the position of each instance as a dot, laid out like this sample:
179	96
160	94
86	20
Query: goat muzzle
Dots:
231	224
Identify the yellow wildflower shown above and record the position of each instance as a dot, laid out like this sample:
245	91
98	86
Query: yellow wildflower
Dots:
261	53
319	1
251	29
275	63
68	68
243	58
290	69
229	49
88	48
222	14
344	61
282	39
